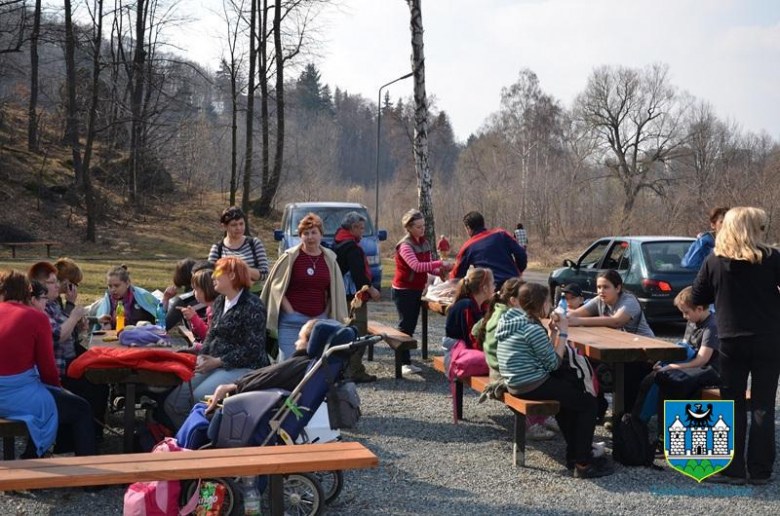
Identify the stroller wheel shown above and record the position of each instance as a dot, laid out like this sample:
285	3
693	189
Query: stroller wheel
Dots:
232	499
303	495
332	482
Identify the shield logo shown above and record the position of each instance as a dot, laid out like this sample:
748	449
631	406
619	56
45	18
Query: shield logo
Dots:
699	436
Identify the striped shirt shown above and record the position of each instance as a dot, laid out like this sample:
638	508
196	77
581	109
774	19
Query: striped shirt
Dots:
257	260
525	353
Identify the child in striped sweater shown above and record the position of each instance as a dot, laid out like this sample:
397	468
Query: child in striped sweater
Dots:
526	359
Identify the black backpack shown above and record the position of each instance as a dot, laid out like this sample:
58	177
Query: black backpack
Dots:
631	445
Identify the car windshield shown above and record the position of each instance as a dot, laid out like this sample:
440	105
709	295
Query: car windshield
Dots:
331	218
665	256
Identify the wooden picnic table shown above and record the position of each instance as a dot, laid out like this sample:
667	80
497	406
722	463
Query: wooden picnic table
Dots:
131	378
618	348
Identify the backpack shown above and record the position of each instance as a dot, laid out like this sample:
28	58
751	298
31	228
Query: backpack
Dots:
158	498
343	405
631	445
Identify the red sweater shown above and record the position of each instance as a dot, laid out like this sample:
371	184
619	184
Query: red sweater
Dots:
26	341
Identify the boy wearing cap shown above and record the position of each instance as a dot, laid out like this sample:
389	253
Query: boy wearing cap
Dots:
573	295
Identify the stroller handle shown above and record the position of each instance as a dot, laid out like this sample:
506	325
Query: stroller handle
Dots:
354	345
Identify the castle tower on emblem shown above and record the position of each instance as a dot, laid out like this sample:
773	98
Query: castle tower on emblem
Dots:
677	437
699	440
720	437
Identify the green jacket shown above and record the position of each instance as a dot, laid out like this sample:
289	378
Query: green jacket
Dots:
489	346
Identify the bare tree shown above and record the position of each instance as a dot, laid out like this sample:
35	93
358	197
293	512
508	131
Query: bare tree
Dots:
232	64
250	108
32	112
635	115
136	99
72	123
424	181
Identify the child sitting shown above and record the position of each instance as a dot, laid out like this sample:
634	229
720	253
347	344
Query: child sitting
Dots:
683	380
573	295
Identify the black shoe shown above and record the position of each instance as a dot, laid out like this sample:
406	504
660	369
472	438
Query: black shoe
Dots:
571	463
595	469
761	481
720	478
363	378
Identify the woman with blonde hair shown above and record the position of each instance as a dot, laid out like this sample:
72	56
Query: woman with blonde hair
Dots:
742	277
413	262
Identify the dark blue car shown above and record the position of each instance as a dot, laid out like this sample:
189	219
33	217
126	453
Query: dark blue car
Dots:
649	265
332	213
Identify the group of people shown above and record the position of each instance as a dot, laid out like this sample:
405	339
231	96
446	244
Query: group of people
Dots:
246	315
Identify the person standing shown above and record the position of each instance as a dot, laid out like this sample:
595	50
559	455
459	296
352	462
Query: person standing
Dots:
413	262
443	247
357	275
237	243
701	248
742	277
493	249
305	283
521	236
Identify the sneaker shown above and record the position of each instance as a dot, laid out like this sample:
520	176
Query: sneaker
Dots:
596	469
538	433
551	424
410	369
720	478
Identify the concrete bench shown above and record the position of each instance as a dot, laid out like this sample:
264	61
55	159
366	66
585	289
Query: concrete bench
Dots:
275	461
397	340
519	407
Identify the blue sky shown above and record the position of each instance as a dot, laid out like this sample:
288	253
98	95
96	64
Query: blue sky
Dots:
724	51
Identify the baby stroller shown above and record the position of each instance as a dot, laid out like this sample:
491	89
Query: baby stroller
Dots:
278	417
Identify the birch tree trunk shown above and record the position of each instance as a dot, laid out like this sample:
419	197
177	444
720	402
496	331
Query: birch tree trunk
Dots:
424	180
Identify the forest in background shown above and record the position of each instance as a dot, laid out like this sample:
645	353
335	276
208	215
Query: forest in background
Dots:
632	154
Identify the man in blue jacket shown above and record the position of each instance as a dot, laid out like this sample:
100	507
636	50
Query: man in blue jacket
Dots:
494	249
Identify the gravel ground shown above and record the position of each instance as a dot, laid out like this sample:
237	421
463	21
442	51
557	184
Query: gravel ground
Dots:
428	466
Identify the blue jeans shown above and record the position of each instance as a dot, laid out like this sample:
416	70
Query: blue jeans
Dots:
289	327
179	402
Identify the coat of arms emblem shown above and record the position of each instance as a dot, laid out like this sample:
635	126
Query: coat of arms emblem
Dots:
698	437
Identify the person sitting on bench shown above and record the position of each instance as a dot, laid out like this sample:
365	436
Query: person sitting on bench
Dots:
29	380
526	359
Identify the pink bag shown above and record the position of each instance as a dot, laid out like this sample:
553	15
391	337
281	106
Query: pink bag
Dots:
466	362
158	498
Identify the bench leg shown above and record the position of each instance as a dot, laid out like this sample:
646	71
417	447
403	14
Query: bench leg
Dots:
456	389
398	365
370	352
276	494
9	450
518	446
129	417
424	316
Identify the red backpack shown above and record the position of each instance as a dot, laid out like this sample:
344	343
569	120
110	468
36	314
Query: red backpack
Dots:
158	498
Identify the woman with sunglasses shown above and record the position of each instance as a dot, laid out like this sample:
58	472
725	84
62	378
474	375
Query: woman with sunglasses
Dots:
237	243
234	344
742	277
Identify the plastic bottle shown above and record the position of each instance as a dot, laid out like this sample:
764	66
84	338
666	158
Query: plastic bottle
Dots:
160	316
562	308
251	496
120	316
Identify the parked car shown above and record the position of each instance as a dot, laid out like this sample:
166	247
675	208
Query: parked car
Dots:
649	265
332	213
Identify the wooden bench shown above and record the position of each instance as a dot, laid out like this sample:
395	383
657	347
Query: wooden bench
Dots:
519	407
14	245
397	340
9	430
275	461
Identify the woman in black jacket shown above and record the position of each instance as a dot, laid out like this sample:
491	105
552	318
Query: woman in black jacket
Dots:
234	344
742	277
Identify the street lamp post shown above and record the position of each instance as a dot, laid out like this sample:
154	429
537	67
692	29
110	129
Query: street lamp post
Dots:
379	139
